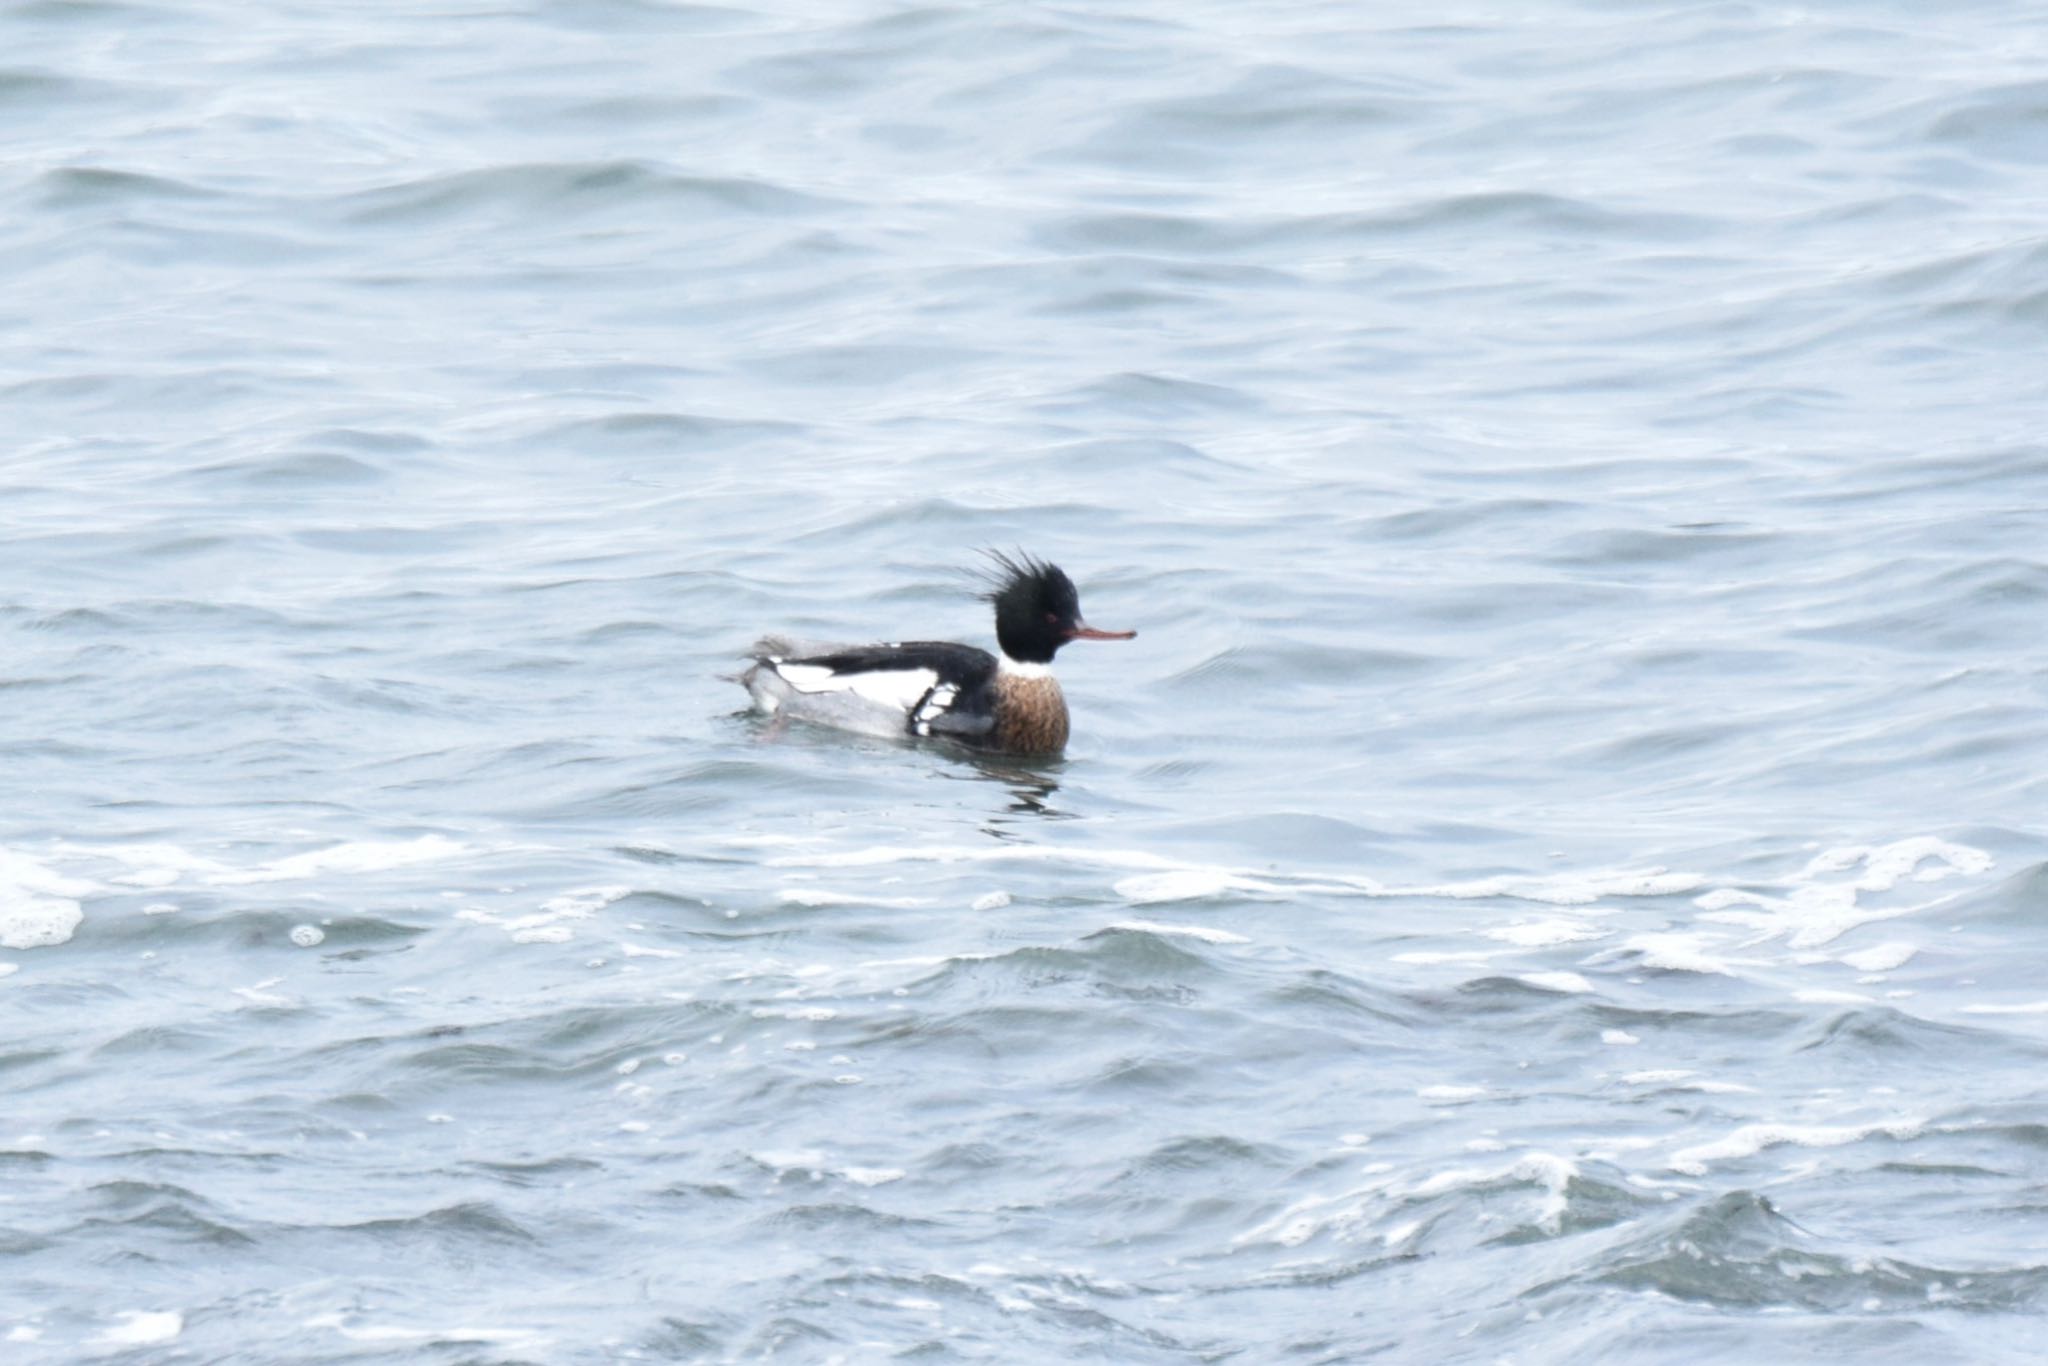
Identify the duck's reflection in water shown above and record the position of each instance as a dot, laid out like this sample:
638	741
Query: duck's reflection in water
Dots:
1031	785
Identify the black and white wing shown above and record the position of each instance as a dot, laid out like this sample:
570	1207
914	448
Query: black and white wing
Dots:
919	687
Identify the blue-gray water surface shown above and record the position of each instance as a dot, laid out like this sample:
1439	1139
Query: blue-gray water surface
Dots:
1558	876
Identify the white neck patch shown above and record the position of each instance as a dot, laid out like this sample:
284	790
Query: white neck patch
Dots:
1016	670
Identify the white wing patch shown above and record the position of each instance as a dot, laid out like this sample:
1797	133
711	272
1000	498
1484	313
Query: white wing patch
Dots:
897	688
934	707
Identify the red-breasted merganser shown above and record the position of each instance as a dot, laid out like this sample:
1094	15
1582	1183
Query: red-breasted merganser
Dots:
937	688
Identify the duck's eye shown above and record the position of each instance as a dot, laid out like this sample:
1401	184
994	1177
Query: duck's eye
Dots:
1052	618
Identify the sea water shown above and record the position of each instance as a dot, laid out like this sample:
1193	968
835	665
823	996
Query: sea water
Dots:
1557	876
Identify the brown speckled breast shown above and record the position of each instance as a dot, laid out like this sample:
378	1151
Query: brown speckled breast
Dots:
1031	715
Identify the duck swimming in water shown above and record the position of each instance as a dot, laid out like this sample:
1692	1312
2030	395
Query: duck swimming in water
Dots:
1011	704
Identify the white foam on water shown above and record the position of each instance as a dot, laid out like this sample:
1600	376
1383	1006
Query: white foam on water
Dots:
818	1164
308	936
881	854
872	1176
1311	1214
1620	1038
554	922
865	978
148	877
1751	1139
1826	898
1561	889
1159	878
1544	934
355	856
262	995
8	969
1346	1213
1610	1144
1450	1095
991	901
37	922
1557	981
1185	884
383	1333
1201	932
147	865
1547	1170
1835	891
38	905
2023	1008
143	1328
1885	957
1886	865
1682	1079
807	1014
1818	905
1671	951
818	896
